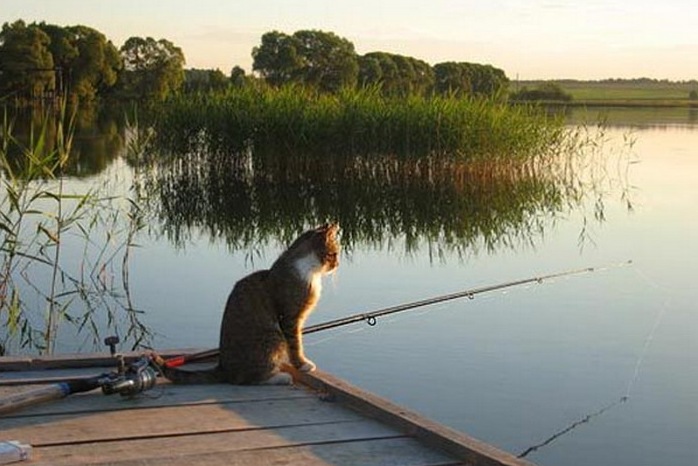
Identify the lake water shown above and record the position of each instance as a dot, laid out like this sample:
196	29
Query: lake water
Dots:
511	368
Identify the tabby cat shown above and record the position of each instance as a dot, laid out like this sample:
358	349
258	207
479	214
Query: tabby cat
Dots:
265	312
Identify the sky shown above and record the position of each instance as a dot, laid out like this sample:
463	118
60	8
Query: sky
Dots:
528	39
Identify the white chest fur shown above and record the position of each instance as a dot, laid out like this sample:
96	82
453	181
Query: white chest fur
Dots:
309	269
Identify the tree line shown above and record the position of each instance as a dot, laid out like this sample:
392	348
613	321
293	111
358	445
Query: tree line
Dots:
40	60
329	63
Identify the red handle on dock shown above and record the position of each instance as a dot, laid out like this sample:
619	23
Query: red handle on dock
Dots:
176	361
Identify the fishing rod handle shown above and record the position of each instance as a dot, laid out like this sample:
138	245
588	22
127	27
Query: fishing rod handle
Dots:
33	397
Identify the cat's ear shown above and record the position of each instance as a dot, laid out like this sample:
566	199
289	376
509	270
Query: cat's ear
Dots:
330	229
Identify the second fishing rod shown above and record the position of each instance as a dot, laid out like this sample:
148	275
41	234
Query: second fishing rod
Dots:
371	317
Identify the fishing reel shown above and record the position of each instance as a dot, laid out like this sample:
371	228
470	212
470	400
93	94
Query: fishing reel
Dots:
129	379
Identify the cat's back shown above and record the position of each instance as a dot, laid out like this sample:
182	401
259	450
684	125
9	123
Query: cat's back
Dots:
251	292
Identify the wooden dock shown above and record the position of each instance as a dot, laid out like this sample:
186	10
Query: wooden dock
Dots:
321	421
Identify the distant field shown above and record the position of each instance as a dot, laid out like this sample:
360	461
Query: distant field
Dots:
626	92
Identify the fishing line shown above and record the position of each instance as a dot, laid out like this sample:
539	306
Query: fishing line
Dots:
645	347
335	334
661	314
571	427
659	318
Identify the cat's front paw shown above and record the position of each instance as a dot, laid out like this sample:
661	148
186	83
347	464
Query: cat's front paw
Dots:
307	366
279	378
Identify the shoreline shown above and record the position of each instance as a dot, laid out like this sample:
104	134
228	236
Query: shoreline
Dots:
621	103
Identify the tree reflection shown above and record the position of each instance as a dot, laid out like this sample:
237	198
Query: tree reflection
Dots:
98	137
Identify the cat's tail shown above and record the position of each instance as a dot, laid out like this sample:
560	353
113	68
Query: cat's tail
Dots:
184	376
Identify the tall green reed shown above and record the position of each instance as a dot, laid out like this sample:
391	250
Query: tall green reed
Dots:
60	248
300	120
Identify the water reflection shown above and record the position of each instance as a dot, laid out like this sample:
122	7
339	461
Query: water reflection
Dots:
633	117
245	198
98	137
65	244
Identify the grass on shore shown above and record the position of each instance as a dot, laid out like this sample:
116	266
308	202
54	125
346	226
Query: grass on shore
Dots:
627	93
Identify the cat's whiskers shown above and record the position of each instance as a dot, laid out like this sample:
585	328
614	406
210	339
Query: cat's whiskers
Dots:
334	275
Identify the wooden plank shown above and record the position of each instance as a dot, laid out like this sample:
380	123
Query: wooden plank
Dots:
15	363
217	413
380	452
165	394
70	360
464	447
171	421
224	442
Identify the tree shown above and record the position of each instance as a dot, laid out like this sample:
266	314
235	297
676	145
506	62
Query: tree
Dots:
238	77
63	51
450	77
370	70
86	62
471	79
46	57
327	60
316	58
276	59
548	91
196	80
98	63
217	80
153	69
26	64
395	74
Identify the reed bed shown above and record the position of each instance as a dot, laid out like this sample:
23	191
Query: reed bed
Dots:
260	162
299	120
64	245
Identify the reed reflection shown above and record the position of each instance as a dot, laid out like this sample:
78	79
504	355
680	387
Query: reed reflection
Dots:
245	198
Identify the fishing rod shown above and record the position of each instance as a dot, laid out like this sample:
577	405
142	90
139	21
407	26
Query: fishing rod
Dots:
135	377
371	317
139	376
129	379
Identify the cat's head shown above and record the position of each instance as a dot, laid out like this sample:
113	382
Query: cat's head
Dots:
328	252
322	243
